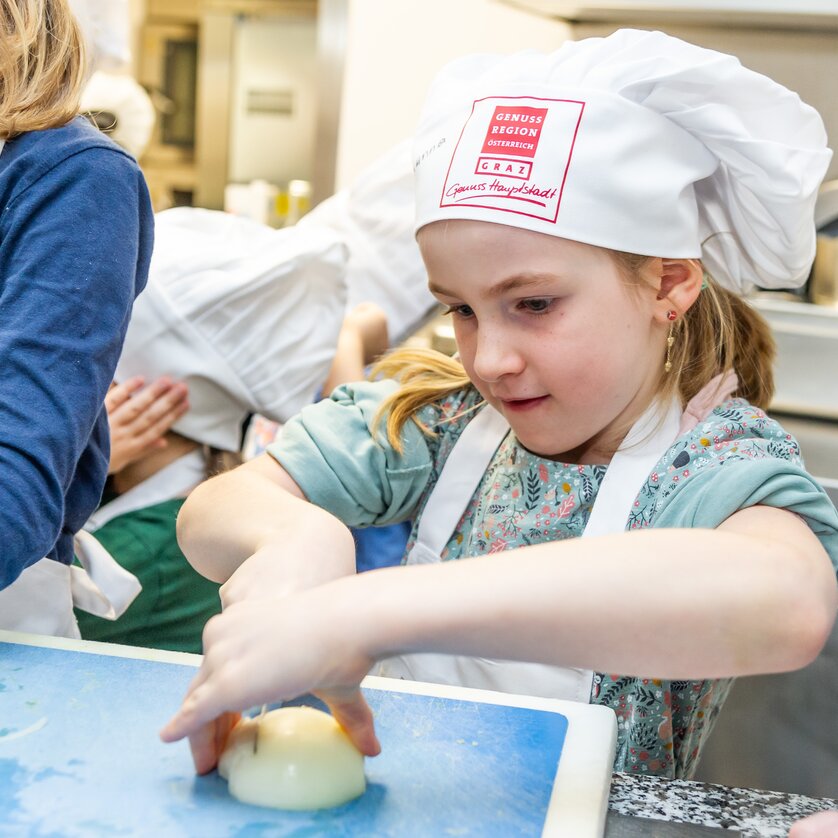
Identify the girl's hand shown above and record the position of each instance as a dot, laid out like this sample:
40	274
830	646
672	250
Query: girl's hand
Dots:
208	743
259	652
139	417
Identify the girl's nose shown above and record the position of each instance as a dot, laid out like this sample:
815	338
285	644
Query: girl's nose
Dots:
496	355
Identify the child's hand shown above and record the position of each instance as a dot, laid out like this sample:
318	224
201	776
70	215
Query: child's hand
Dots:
259	652
207	744
139	417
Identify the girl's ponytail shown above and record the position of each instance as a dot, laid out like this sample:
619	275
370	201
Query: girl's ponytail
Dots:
722	331
426	377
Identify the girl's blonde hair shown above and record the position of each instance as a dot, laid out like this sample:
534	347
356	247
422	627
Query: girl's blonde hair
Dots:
720	332
42	65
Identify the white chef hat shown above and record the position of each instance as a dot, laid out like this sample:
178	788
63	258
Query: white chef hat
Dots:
375	216
122	97
247	316
638	142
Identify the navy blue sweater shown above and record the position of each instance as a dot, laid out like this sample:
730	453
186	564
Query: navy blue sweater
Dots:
76	235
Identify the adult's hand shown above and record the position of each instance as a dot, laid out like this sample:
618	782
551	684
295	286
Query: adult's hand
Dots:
821	825
139	416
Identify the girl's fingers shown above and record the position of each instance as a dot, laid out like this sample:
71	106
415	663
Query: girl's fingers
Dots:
207	744
152	405
241	669
202	744
353	714
174	728
195	713
136	404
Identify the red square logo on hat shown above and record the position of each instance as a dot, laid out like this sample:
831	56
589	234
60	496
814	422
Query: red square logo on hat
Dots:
514	130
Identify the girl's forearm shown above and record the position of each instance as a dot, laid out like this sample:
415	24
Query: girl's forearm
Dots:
666	603
243	512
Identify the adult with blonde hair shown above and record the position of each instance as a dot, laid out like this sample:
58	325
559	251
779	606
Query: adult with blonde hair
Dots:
76	235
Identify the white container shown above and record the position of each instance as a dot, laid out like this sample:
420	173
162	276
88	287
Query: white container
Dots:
299	201
255	200
807	349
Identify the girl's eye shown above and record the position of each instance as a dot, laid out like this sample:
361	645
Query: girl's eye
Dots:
537	305
460	311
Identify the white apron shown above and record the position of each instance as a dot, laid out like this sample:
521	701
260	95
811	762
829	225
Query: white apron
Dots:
41	599
644	445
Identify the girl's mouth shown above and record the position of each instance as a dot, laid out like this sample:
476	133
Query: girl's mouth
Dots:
522	405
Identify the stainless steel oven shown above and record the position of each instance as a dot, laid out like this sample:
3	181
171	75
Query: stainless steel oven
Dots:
168	69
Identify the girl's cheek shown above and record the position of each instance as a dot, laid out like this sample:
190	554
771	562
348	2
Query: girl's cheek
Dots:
464	335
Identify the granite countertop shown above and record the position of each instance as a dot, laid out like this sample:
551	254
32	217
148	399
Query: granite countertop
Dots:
702	809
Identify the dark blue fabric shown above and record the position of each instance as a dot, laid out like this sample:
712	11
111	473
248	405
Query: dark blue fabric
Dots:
380	546
76	235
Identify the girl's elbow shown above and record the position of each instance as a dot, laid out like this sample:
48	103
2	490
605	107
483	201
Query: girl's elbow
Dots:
188	526
812	623
814	637
823	621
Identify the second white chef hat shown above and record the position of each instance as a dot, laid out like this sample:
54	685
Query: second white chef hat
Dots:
247	316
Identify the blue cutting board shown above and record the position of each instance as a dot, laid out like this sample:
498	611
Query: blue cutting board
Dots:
79	756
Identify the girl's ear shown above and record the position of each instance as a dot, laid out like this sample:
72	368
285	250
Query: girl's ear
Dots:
680	284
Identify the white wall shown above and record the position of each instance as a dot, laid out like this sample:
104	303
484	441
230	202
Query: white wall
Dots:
273	54
395	47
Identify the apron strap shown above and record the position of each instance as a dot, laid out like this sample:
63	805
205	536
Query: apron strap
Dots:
459	478
646	442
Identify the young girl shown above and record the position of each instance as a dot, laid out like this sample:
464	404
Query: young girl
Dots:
75	241
590	218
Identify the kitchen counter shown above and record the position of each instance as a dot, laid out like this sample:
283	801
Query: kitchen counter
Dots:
658	808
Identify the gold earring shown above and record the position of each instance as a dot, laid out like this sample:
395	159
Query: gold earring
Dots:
669	341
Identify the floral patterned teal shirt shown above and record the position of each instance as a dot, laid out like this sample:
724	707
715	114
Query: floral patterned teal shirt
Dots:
738	457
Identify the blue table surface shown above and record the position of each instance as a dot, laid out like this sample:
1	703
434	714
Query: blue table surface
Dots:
79	756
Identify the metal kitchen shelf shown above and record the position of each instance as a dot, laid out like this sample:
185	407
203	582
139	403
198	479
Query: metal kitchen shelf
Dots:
806	370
